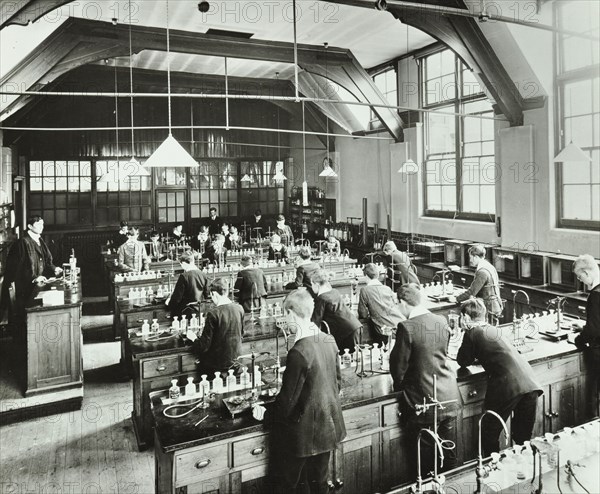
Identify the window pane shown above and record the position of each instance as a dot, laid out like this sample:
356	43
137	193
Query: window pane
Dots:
441	138
487	194
471	198
434	198
449	198
577	202
577	101
576	173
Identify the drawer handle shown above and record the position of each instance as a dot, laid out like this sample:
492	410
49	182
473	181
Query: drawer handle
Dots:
555	414
161	368
257	451
549	415
472	394
202	464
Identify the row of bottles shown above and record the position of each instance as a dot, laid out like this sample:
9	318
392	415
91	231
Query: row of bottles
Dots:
138	276
194	324
217	385
436	289
515	464
529	324
146	294
376	358
341	231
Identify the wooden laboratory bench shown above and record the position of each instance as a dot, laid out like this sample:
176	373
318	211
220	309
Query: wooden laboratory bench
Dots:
225	455
54	341
119	291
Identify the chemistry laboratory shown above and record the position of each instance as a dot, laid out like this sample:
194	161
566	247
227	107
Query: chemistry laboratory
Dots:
299	246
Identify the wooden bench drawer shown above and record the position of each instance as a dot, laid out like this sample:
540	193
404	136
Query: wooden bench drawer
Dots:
160	367
391	415
189	363
253	450
361	419
555	370
200	464
473	392
136	319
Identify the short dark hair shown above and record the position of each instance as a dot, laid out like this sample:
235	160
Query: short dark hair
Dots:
154	233
219	285
203	228
212	209
371	270
474	308
34	219
187	258
304	252
246	260
320	277
477	250
132	230
280	218
411	294
225	224
258	212
300	303
123	224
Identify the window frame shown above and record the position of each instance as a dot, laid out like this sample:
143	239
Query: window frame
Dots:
561	80
456	104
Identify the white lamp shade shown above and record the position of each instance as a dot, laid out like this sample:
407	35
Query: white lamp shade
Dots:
409	167
135	169
246	178
572	153
279	177
328	172
171	154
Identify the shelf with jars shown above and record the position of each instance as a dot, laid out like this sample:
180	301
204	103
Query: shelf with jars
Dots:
310	220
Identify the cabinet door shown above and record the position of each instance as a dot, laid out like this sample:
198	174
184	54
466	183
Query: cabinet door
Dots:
564	399
543	415
357	465
395	448
217	485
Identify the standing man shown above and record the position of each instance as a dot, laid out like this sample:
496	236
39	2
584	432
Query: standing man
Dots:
213	222
251	284
221	341
419	354
485	285
191	286
121	236
586	269
400	269
284	231
29	262
380	304
306	418
132	255
305	268
158	250
511	387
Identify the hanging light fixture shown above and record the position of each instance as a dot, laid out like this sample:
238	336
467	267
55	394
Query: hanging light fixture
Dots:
170	153
138	169
120	174
279	177
304	183
408	166
572	153
327	171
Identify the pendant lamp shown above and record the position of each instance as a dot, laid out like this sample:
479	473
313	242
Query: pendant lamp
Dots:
120	173
170	153
408	167
304	183
137	170
279	177
327	171
572	153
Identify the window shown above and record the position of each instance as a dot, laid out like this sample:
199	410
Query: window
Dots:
459	168
214	184
387	83
120	198
60	192
170	206
262	192
578	90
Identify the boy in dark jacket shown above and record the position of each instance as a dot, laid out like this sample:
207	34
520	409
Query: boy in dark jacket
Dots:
251	285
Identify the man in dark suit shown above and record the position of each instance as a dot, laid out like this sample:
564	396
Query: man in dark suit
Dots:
400	269
220	344
306	418
420	353
587	271
191	286
29	261
511	387
121	235
304	270
213	222
251	284
157	250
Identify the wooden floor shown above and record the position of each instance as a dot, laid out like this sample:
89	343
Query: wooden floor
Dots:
91	450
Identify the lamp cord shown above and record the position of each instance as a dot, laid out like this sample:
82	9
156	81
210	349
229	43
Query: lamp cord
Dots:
131	82
303	143
116	118
168	68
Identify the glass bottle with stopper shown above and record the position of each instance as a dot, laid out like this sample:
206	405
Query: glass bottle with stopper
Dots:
174	392
190	387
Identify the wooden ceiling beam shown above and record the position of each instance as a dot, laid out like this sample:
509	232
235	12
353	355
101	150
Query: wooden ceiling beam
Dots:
25	11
